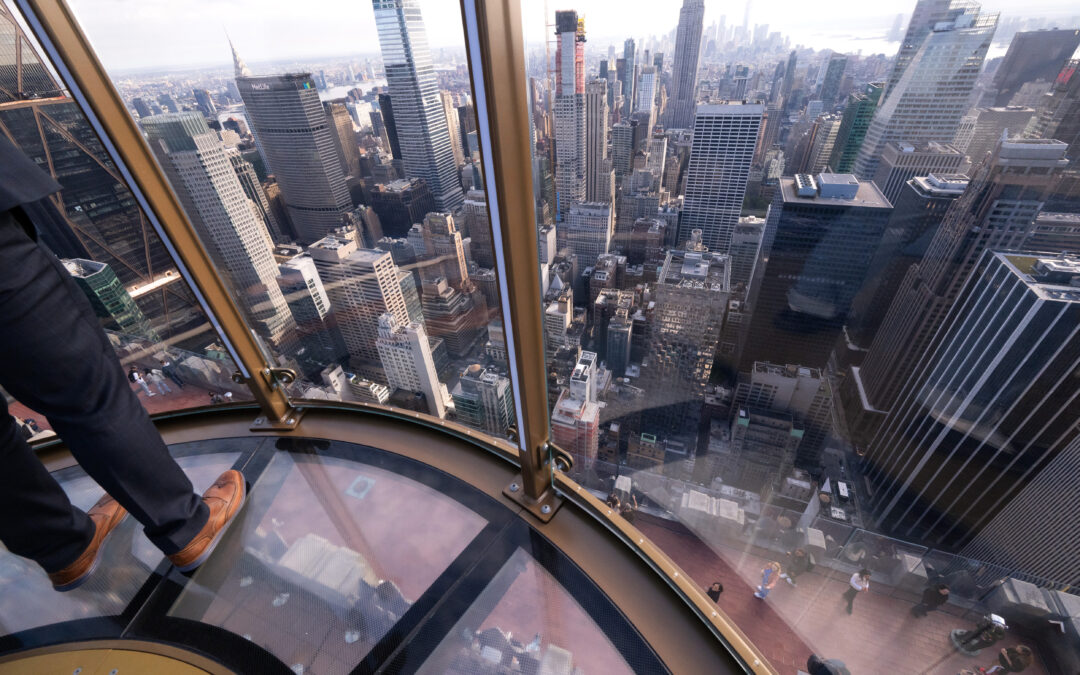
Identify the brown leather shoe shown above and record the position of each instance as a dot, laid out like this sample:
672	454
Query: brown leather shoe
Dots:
224	498
105	515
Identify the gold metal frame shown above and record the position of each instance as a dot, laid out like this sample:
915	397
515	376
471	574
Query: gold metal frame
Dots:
496	52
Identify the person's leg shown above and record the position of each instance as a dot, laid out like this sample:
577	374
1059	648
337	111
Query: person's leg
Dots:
145	387
42	524
55	358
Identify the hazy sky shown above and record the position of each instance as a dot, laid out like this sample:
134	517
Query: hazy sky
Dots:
155	33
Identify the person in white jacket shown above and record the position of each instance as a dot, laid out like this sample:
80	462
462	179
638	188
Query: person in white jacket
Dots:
860	581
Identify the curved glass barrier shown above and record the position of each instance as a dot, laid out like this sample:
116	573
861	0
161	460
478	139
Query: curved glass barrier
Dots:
108	246
341	197
810	311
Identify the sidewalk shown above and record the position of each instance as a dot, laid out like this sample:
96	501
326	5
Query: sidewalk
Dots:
880	636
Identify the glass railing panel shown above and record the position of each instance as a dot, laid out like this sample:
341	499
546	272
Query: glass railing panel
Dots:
353	226
812	302
108	245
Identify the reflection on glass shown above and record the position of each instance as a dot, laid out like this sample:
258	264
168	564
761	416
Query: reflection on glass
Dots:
525	622
106	242
340	197
328	556
815	299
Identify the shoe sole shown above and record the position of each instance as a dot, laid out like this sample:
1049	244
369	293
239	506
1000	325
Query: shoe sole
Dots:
195	564
72	585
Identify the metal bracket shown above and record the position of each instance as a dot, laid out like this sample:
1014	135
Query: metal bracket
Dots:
263	423
543	508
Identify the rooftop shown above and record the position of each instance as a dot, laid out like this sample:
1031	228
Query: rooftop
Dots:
867	195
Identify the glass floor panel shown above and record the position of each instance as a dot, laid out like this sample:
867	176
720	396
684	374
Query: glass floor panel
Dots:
128	562
344	559
331	555
525	622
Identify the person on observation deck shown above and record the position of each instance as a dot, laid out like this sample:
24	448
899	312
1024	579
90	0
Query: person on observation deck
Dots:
56	359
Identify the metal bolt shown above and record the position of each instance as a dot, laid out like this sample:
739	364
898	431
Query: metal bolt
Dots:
514	487
114	671
258	421
77	671
545	509
292	420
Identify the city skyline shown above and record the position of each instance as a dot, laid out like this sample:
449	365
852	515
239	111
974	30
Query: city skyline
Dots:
268	39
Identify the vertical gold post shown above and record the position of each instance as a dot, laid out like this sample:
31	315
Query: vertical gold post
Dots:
496	51
56	28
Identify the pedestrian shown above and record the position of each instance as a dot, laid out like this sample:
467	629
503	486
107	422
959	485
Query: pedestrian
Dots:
134	376
154	377
56	359
629	509
613	500
860	581
933	596
798	562
715	590
1011	660
216	398
815	665
770	574
169	369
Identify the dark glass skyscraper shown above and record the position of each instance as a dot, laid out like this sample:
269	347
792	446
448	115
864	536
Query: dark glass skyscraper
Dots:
288	120
418	114
823	232
997	404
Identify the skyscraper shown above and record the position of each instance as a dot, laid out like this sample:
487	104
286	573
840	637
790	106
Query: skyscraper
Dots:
926	14
927	102
834	75
629	78
902	161
823	231
288	120
691	296
362	285
722	151
570	155
484	400
596	126
575	418
1032	56
646	95
453	124
386	110
685	65
856	120
1058	116
341	127
418	113
320	339
991	124
587	231
996	404
997	211
109	299
406	358
229	223
789	81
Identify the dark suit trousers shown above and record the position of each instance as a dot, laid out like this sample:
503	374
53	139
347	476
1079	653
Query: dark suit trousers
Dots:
56	359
